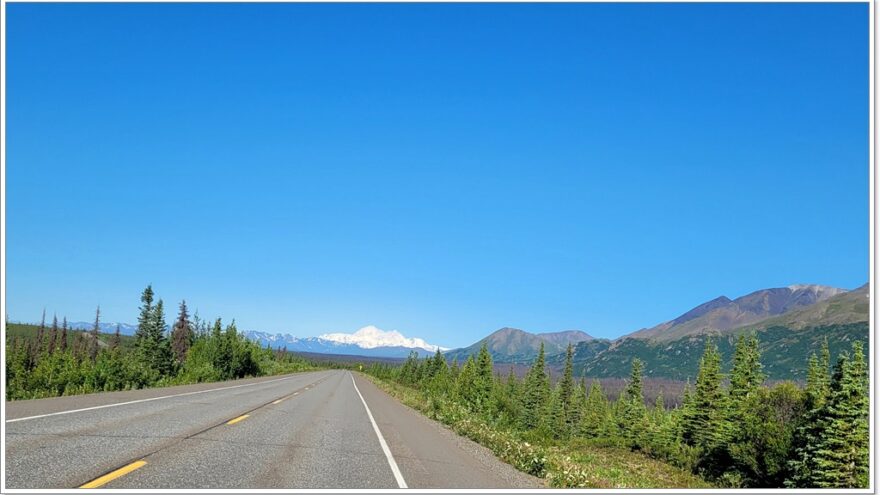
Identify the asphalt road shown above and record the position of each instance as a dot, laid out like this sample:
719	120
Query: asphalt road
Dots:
325	429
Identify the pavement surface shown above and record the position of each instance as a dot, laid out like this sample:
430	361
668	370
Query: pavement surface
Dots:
324	429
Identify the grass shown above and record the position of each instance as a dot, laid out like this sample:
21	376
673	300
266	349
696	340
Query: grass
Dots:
572	464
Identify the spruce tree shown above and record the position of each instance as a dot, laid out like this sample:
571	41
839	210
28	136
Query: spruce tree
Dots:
153	348
93	341
842	453
745	433
809	430
595	415
576	409
114	342
566	393
632	409
63	343
181	335
53	335
746	375
145	319
483	379
552	423
36	347
704	422
536	393
465	383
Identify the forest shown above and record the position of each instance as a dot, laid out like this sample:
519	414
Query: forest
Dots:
731	430
60	361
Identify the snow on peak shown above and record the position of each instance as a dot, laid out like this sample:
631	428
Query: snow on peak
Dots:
370	337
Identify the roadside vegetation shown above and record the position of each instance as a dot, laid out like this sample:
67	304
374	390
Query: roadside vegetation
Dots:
53	360
728	431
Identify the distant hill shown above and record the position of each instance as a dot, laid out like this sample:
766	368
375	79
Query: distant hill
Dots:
722	314
512	345
786	340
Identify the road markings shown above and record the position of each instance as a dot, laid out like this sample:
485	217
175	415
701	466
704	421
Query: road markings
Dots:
146	400
279	401
107	478
394	469
236	420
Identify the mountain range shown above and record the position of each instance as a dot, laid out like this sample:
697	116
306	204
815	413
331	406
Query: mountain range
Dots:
791	322
368	341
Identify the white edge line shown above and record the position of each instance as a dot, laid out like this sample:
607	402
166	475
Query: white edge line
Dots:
143	400
394	469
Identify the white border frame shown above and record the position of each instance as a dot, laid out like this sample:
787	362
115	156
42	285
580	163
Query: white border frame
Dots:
872	247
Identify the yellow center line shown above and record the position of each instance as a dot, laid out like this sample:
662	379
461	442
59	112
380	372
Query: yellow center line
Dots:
107	478
279	401
236	420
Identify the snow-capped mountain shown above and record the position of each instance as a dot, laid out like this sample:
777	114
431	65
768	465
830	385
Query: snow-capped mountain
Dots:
368	341
371	337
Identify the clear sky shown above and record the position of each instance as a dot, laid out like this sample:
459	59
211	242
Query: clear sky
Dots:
440	170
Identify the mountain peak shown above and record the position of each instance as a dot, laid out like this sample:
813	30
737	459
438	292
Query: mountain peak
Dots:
512	345
722	314
371	337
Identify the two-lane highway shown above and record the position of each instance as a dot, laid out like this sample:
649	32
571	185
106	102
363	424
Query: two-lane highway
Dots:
325	429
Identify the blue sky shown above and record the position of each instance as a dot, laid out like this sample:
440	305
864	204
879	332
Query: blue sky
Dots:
441	170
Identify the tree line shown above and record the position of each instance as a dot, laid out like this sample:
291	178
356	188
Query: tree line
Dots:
734	431
61	361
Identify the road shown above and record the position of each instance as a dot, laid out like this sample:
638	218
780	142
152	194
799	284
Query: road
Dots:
323	429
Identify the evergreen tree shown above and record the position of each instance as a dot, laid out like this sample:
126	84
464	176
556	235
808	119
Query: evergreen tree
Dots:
817	388
704	421
566	394
63	344
742	414
114	342
552	423
145	319
93	341
576	408
595	416
53	335
465	383
802	465
746	375
842	453
181	335
483	379
153	347
632	411
536	393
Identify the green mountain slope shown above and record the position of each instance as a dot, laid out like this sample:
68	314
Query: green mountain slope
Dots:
849	307
512	345
784	352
